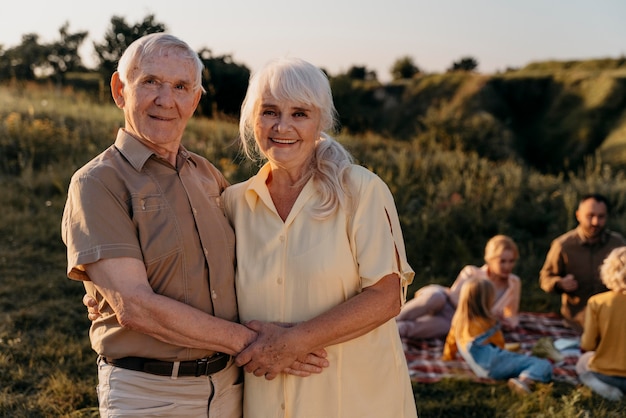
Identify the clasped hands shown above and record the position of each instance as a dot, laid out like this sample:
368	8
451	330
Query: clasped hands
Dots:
271	353
277	350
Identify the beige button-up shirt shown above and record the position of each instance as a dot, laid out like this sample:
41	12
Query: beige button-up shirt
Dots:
127	202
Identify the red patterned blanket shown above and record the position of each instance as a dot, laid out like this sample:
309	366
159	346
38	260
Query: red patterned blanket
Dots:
424	356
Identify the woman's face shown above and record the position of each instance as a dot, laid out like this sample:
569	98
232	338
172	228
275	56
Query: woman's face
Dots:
286	132
502	265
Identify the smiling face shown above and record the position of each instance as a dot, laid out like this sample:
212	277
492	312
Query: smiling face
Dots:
286	132
502	265
158	100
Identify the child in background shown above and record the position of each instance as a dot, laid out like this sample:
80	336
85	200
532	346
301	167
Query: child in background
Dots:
603	366
430	312
475	333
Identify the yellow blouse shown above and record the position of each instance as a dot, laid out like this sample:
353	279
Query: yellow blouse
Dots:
474	329
605	333
295	270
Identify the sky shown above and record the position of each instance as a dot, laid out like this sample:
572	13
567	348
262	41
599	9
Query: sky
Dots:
339	34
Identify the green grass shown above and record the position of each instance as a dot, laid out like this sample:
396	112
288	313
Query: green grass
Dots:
450	203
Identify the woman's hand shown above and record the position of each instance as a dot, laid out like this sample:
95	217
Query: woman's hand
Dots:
91	303
273	352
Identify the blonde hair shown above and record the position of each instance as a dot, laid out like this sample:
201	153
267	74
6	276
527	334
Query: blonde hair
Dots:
613	270
498	244
296	80
475	302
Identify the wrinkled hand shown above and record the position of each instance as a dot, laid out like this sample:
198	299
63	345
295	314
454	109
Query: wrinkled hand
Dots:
274	351
93	312
568	283
313	363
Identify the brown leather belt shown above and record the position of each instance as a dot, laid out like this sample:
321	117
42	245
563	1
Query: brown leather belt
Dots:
200	367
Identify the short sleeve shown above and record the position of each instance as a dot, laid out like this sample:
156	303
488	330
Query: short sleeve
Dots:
376	233
96	225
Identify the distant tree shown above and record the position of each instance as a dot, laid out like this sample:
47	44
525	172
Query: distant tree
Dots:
22	61
404	68
117	38
356	103
63	54
361	73
356	73
225	82
464	64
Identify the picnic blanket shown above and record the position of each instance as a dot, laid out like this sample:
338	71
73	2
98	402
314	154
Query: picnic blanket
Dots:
424	356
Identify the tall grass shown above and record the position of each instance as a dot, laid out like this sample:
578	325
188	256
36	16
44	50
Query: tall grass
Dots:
450	203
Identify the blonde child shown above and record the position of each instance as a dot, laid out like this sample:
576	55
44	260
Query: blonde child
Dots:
475	333
603	366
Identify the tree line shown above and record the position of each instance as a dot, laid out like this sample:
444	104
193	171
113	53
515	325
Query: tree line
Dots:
224	79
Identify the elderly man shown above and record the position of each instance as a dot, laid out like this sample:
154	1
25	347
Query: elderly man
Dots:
572	265
147	235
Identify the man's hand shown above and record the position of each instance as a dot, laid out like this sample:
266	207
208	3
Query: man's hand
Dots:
568	283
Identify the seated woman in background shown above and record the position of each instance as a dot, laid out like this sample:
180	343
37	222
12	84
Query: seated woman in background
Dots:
429	313
475	333
603	366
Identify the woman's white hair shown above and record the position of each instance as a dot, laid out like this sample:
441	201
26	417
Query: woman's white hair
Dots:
613	270
296	80
157	44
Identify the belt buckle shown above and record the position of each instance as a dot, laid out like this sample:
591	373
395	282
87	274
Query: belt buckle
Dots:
202	367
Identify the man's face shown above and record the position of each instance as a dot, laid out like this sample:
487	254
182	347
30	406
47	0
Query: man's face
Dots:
591	216
159	99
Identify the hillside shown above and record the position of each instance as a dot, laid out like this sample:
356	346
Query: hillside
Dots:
549	115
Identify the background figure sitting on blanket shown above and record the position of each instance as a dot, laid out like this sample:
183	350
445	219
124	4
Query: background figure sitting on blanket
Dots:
475	333
429	313
572	266
604	370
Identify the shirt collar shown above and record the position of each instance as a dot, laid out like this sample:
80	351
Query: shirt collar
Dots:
137	153
257	190
604	237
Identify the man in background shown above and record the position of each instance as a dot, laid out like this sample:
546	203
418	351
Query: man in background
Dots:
572	264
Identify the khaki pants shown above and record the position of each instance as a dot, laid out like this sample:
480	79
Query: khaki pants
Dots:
128	393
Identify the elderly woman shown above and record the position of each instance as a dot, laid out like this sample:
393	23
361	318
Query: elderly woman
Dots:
429	313
320	259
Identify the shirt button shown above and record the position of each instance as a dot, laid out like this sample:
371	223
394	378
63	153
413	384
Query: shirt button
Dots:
280	280
206	252
213	294
282	238
282	405
195	212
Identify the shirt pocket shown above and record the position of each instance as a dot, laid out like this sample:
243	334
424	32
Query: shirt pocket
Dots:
156	226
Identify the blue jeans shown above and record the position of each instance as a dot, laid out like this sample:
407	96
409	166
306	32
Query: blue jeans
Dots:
509	364
487	360
617	381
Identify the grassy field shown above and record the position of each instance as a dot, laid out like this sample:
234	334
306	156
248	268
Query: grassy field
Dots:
449	203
